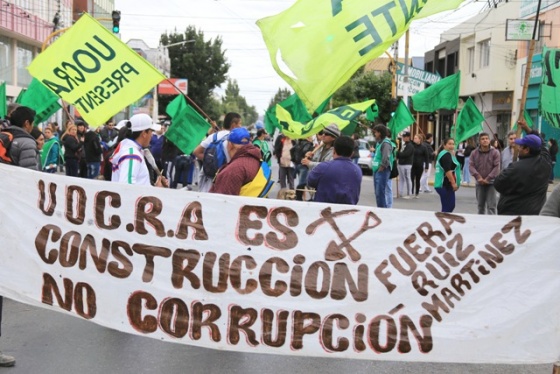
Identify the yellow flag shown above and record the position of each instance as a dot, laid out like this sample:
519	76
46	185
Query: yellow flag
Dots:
316	45
91	68
341	116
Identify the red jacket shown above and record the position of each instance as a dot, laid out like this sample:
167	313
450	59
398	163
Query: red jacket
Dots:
241	169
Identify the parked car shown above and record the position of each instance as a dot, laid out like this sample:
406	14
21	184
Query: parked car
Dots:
364	162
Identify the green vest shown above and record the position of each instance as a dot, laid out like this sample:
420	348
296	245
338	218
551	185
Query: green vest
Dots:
440	175
379	156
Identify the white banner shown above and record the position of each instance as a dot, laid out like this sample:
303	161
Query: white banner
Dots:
271	276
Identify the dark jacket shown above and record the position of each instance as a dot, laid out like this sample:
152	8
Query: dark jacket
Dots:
72	147
23	150
337	181
406	154
92	147
240	170
523	185
421	157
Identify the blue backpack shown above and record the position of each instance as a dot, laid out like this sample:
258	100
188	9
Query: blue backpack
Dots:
214	156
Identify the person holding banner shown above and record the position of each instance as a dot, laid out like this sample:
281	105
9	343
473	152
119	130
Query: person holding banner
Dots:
448	175
129	164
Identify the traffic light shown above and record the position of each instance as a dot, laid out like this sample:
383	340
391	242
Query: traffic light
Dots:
116	16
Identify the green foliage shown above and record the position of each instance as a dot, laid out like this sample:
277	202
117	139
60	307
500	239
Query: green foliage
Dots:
365	86
234	102
202	62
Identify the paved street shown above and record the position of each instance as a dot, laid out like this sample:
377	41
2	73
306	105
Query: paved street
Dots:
47	342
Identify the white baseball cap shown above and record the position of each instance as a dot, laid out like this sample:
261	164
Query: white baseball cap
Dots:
141	122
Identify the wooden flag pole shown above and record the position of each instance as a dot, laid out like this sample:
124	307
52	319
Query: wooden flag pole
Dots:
526	78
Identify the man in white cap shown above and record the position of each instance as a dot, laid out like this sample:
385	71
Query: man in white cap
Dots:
128	161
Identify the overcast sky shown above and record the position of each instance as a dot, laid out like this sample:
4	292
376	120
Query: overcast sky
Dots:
234	21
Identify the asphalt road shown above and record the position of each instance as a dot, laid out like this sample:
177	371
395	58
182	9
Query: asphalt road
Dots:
48	342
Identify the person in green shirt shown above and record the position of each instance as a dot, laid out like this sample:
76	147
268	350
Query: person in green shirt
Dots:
381	165
51	152
448	175
260	141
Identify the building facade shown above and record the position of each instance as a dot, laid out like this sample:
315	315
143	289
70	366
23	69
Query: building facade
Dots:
487	61
24	26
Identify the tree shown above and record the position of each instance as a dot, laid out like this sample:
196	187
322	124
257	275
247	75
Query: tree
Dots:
202	62
234	102
281	95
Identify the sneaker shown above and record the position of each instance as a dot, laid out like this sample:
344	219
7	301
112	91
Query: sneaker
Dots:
407	197
416	196
6	360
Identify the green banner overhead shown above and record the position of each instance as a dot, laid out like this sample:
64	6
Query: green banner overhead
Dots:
549	101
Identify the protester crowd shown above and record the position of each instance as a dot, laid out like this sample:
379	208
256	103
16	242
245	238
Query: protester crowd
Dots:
511	180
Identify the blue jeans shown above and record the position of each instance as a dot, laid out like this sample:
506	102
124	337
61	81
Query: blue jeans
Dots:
302	172
466	172
380	179
447	197
389	193
93	169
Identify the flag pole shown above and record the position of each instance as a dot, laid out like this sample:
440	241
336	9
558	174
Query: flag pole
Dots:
527	76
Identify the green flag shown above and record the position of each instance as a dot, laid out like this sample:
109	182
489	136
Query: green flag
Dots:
549	101
316	46
42	100
188	128
469	122
19	98
443	94
342	116
401	119
372	113
297	110
175	106
3	101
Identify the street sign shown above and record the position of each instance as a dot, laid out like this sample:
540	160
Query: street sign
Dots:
418	74
414	85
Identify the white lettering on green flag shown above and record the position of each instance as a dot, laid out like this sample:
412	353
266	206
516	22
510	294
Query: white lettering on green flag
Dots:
549	103
94	70
316	45
341	116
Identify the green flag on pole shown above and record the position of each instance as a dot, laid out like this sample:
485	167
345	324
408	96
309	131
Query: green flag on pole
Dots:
443	94
549	101
42	100
3	101
372	113
188	127
402	118
316	46
469	122
342	116
297	110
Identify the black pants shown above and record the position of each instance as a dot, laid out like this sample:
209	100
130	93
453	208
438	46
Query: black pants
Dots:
416	175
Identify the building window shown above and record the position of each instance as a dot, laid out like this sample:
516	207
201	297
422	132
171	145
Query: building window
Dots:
24	58
484	48
470	56
6	71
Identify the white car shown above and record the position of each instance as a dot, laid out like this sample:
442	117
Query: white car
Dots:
364	162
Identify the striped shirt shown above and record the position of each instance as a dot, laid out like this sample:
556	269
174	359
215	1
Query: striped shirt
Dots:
129	165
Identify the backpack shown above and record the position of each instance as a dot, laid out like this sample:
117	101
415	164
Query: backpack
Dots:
6	139
214	156
262	183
